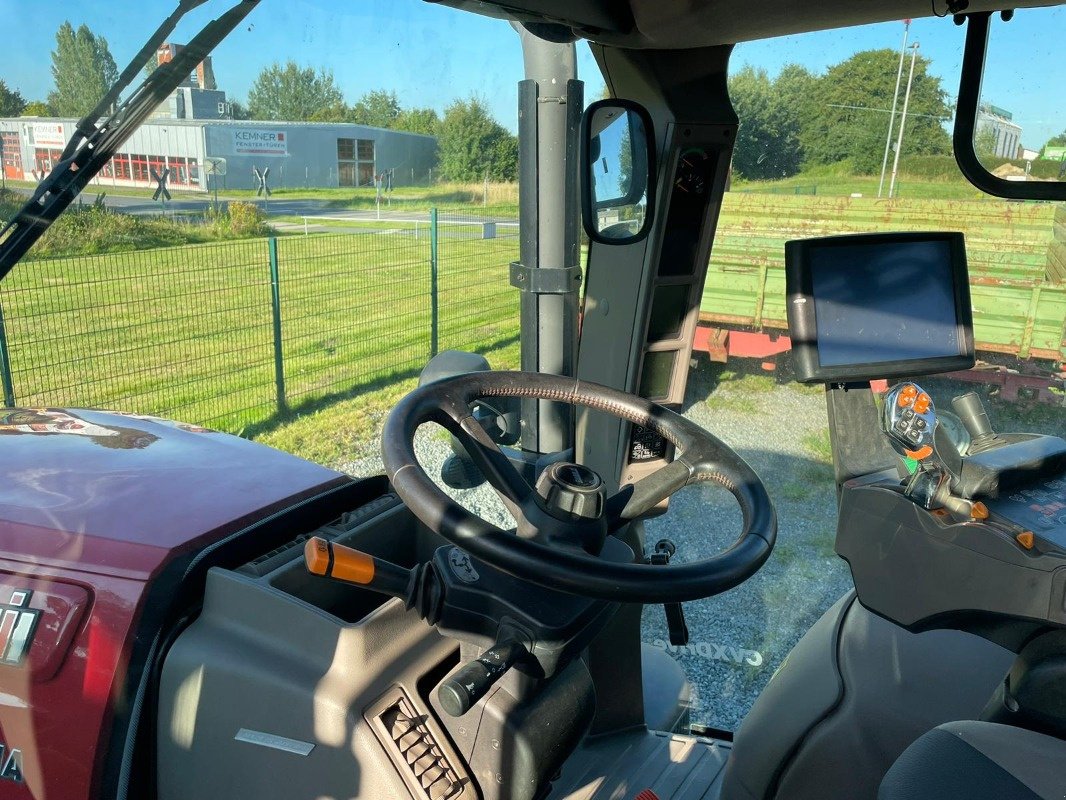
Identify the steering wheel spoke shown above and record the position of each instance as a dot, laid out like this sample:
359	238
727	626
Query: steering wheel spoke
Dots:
634	500
494	464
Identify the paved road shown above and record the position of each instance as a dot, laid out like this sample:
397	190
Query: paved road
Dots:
274	207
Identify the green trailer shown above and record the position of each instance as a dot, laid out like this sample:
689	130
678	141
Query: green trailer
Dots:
1016	254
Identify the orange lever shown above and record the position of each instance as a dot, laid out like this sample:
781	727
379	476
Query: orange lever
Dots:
330	560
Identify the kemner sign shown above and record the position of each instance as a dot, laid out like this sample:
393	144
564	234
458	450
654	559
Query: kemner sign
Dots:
258	142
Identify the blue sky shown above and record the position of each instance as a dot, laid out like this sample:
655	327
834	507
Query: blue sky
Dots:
429	54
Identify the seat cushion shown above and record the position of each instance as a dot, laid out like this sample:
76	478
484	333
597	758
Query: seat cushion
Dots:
978	760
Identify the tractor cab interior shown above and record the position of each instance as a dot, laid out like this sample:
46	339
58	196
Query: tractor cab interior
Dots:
439	655
406	646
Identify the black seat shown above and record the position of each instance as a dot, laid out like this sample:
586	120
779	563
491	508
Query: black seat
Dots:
978	760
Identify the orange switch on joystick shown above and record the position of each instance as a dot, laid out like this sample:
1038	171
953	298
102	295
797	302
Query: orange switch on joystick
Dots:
907	395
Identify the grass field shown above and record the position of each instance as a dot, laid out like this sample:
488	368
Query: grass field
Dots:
908	186
188	332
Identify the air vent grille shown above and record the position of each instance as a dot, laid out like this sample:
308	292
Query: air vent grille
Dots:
414	749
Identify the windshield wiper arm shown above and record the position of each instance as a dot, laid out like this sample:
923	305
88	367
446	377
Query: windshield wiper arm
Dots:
95	144
87	125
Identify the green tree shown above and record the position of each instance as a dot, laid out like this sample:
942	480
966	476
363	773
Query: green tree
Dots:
767	144
984	142
83	71
378	108
472	143
336	112
417	120
37	108
292	92
1054	141
238	111
849	111
11	102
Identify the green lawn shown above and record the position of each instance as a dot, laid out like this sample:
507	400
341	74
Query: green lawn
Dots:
907	186
188	332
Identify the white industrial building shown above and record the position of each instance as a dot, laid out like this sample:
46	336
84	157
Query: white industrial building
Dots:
1008	134
298	154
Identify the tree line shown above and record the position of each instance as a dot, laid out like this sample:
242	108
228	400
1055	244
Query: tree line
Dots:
800	119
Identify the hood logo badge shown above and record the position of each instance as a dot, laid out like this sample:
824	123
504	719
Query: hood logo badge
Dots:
17	624
11	766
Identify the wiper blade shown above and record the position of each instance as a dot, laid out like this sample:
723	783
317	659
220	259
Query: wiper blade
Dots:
95	144
87	125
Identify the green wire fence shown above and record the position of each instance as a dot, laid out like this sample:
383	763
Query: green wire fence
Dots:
239	333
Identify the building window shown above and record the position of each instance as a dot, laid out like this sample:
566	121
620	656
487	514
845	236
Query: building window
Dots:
12	158
44	159
156	164
355	162
121	165
139	167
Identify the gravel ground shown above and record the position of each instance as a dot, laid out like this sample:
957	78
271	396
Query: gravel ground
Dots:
737	639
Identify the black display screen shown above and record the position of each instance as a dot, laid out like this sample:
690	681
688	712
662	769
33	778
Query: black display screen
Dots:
879	305
884	302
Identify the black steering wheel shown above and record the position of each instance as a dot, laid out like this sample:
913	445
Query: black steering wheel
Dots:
534	556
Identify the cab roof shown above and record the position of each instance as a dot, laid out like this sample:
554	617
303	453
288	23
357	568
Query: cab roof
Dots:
684	24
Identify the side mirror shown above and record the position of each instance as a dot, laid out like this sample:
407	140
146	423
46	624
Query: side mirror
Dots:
618	159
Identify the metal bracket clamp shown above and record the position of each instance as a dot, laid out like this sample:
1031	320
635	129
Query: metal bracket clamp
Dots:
545	280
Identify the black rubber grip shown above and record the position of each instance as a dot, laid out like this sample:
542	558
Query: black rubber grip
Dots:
973	415
463	690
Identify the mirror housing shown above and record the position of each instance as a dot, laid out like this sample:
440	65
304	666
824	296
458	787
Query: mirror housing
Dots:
964	139
618	171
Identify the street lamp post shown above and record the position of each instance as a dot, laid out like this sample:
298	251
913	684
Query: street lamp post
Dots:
902	122
895	99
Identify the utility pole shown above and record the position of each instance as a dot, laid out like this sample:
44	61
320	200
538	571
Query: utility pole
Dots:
895	99
902	122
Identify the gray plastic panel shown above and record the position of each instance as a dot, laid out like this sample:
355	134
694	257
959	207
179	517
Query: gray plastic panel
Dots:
957	574
266	694
281	670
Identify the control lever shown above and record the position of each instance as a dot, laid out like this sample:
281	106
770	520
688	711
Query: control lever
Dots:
675	615
973	415
463	690
419	588
909	420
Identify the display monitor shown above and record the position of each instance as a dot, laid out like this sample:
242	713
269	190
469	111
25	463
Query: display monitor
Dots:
883	305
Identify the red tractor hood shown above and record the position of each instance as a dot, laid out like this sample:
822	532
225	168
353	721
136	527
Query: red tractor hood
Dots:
117	494
94	509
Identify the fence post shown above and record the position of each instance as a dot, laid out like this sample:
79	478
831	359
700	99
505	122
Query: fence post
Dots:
5	366
434	311
275	297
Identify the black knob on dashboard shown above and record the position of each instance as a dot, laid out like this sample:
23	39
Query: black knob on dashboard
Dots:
572	491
